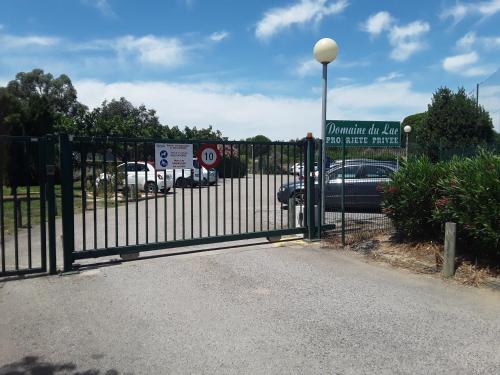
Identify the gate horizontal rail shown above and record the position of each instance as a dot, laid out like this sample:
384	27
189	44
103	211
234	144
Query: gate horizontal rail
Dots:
180	243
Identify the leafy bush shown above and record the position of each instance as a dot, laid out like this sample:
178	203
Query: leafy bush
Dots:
470	197
423	196
409	199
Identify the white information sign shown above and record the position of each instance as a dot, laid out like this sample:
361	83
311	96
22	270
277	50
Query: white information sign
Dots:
173	156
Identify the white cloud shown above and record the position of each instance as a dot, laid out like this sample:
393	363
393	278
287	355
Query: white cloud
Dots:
470	40
149	49
389	77
406	40
377	23
491	42
102	5
308	67
461	10
242	115
278	19
17	42
465	65
467	41
219	36
457	63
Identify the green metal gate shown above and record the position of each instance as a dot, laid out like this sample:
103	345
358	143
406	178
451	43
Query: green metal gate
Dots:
27	205
115	202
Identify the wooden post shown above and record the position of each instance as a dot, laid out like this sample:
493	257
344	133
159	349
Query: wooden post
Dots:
450	235
291	213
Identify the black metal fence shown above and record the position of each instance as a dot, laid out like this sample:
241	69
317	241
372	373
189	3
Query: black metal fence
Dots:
104	196
27	204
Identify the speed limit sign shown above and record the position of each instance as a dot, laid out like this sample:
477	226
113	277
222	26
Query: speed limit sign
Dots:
208	156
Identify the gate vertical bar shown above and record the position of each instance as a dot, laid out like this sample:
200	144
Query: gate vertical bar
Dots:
67	201
309	177
50	197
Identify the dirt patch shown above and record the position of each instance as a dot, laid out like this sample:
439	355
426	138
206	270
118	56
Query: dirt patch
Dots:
420	257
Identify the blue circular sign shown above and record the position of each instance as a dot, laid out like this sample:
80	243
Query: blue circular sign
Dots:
163	154
163	162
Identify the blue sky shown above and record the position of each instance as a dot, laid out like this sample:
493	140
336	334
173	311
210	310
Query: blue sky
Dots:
246	67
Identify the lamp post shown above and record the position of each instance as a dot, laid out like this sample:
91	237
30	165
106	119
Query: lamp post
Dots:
407	130
325	51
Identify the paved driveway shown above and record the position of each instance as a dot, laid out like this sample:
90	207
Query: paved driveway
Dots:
256	309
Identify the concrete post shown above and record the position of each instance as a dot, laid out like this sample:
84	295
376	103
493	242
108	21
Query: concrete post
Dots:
450	235
291	213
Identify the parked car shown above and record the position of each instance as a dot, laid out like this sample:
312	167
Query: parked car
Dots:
140	173
195	176
338	163
361	186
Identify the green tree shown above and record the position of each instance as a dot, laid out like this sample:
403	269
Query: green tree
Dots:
42	102
118	118
202	134
453	121
415	121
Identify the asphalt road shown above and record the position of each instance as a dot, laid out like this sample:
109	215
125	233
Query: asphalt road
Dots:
252	310
232	206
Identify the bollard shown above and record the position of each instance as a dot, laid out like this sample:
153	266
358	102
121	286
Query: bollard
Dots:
291	213
450	235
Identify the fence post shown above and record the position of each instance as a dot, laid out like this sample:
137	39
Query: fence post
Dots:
309	180
67	201
292	212
49	170
450	235
342	193
320	215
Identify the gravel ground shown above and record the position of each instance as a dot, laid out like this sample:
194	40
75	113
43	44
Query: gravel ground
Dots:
290	308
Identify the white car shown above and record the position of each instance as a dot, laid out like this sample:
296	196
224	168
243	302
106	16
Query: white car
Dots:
208	177
140	173
300	168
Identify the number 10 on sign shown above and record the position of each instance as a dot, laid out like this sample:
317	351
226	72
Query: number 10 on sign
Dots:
208	156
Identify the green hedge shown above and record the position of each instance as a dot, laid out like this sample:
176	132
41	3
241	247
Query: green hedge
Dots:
409	200
232	167
470	197
424	195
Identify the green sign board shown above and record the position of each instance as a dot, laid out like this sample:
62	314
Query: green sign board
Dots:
363	133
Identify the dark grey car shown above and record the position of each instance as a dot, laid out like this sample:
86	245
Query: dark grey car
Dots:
362	180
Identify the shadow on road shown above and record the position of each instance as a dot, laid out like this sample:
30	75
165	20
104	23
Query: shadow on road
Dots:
32	365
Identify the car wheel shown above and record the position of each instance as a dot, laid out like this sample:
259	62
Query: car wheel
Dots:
150	187
182	182
299	198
